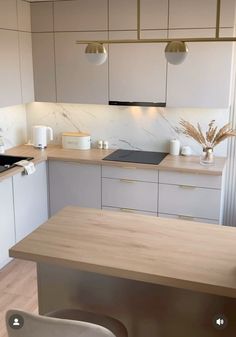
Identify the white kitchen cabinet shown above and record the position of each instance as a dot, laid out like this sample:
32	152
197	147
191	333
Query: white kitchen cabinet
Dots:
26	67
129	189
137	72
200	14
42	16
30	200
44	67
80	15
189	201
8	15
74	184
154	14
122	14
77	80
10	83
7	226
203	80
24	16
196	197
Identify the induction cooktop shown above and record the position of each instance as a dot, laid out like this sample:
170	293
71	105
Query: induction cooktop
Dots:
133	156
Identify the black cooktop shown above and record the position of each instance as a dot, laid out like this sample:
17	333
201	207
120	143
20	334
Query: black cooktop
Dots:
132	156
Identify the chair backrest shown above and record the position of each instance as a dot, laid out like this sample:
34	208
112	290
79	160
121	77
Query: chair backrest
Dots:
42	326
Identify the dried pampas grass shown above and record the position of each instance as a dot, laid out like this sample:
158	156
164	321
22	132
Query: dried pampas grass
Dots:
211	138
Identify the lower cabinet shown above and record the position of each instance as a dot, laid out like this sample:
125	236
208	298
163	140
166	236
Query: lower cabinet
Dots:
74	184
30	200
7	226
130	190
192	197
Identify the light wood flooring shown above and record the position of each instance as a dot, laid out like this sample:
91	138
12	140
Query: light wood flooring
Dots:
18	289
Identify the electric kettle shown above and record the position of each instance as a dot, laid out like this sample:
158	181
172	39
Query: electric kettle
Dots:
40	135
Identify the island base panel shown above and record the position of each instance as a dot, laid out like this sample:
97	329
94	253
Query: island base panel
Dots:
145	309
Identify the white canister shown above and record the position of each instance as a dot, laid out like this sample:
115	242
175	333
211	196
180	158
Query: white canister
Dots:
76	141
174	147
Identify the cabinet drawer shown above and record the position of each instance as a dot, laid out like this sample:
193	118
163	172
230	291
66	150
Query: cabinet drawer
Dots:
128	210
188	218
129	194
190	179
189	201
130	173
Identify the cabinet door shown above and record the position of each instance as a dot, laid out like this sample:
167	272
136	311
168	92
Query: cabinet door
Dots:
7	228
200	14
80	15
203	79
131	194
190	201
26	67
74	184
137	72
8	15
44	67
78	81
30	200
10	93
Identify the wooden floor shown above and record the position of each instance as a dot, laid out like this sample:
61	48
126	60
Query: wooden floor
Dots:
18	289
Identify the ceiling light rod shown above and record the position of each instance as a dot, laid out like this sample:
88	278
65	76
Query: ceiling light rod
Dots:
194	39
218	18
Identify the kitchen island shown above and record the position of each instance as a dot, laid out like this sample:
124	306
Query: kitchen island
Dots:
159	277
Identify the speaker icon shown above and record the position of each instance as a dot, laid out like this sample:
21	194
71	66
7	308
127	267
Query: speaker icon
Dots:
220	322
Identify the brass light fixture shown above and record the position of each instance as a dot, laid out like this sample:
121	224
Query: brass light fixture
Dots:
175	51
96	53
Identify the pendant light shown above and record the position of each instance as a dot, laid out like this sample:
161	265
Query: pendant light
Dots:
176	52
96	53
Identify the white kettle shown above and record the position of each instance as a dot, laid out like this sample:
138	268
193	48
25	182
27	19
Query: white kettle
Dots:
40	135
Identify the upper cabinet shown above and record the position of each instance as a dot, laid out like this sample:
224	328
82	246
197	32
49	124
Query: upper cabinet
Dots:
133	72
122	15
80	15
137	72
10	93
203	79
78	81
200	14
16	67
8	14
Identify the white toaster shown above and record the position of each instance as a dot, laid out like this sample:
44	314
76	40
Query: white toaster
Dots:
76	140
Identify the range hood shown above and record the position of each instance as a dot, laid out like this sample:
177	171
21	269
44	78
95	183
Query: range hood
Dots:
125	103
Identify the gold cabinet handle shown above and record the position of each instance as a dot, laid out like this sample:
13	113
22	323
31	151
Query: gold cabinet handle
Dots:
187	187
127	181
186	217
127	210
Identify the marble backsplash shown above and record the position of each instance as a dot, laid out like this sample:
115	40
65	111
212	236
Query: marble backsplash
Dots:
145	128
13	125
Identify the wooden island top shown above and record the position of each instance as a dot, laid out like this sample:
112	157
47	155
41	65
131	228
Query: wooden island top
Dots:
181	254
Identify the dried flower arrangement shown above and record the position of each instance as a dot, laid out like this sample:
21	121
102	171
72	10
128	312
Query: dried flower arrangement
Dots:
209	140
212	137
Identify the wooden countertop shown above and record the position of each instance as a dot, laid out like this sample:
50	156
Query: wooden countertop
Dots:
169	252
94	156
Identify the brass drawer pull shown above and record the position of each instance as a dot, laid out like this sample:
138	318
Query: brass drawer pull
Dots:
185	217
127	210
126	181
186	187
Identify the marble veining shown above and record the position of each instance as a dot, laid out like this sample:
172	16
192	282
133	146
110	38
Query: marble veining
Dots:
138	128
13	125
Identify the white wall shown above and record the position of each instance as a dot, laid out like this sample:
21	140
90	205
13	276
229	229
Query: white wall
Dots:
13	124
124	127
